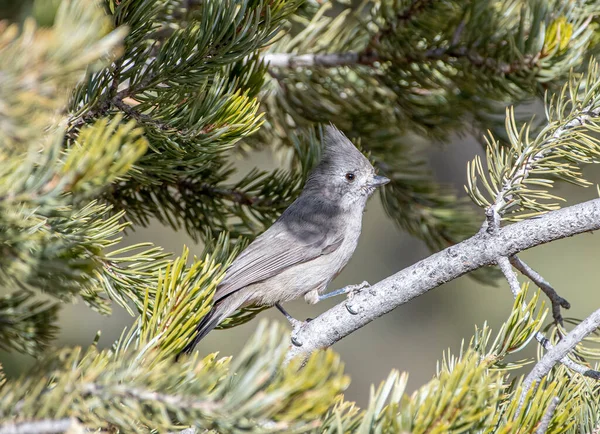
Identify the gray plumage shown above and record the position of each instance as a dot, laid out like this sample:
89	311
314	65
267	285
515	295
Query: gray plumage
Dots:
310	243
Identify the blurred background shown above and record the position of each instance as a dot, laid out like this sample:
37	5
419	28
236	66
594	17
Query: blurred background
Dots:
413	337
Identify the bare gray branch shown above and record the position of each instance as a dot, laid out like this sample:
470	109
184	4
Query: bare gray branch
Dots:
556	354
42	426
545	422
510	275
556	300
476	252
328	60
569	363
515	287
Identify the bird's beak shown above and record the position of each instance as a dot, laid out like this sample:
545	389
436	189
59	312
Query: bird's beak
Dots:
378	181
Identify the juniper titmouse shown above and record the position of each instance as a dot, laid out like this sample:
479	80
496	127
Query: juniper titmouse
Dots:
309	245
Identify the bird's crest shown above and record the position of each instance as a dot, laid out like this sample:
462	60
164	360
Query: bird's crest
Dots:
340	150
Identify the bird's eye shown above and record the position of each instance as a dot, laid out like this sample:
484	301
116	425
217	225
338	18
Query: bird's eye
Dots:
350	176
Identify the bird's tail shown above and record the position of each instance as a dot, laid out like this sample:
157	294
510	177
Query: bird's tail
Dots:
221	310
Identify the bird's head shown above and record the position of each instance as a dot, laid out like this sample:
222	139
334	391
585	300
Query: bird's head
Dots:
344	174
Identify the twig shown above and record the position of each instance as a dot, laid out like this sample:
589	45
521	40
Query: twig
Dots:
515	287
510	275
415	7
42	426
404	16
547	418
232	194
149	395
560	351
290	60
191	430
116	74
492	220
556	300
569	363
370	56
480	61
140	117
108	100
476	252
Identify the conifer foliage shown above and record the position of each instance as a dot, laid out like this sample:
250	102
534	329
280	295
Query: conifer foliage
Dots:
115	113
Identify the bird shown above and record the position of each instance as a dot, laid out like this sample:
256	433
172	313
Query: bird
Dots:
308	245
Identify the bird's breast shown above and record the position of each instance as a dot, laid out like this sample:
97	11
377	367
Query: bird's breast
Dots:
297	280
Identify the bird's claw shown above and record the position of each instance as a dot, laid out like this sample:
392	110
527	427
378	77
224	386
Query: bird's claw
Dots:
355	289
296	327
351	310
296	324
296	342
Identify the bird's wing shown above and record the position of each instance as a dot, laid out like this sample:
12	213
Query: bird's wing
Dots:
271	253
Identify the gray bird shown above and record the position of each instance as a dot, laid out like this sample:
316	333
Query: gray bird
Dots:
310	243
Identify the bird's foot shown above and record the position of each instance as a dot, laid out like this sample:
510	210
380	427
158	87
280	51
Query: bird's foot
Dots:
296	327
351	290
296	324
355	289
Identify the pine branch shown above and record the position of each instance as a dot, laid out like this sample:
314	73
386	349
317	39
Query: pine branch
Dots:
26	325
168	60
140	117
453	54
36	87
168	400
138	387
369	57
234	194
415	7
516	176
205	206
58	235
435	65
510	276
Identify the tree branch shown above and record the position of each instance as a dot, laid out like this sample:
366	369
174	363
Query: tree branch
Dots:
369	57
327	60
515	287
42	426
560	351
140	117
569	363
545	422
232	194
172	400
513	282
556	300
478	251
413	9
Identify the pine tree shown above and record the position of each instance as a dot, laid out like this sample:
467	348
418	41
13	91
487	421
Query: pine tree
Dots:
114	113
